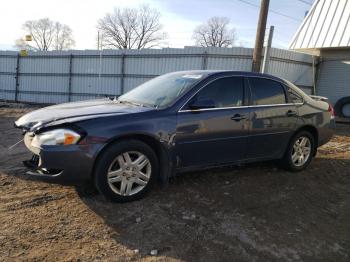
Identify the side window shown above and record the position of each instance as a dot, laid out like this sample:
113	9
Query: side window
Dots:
224	92
294	97
266	92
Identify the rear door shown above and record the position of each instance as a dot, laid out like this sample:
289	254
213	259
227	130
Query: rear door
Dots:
216	135
273	119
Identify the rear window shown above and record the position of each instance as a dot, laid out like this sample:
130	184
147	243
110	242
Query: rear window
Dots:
294	96
266	92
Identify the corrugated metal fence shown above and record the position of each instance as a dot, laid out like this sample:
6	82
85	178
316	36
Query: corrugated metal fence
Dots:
56	77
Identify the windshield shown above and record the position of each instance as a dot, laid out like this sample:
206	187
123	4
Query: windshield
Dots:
161	91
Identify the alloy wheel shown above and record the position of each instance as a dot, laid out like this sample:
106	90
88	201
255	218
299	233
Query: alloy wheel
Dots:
129	173
301	151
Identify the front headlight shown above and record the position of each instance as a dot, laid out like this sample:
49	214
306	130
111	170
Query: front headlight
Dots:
55	137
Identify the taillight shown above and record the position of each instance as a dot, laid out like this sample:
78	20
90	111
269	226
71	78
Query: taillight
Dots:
331	110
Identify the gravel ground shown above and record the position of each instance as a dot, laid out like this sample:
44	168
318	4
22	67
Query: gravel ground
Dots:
252	213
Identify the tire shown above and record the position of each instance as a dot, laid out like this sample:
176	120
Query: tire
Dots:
122	179
338	108
287	161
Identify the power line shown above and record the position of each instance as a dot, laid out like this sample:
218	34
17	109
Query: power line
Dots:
305	2
272	11
290	17
249	3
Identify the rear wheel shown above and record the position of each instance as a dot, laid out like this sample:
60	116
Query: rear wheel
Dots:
126	171
299	152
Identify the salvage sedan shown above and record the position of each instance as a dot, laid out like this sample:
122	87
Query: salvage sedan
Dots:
173	123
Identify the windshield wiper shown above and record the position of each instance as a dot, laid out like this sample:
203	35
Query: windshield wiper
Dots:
131	103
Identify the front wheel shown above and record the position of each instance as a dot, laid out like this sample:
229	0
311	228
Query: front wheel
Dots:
126	171
299	152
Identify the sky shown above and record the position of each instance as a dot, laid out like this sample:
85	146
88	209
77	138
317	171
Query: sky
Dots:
178	17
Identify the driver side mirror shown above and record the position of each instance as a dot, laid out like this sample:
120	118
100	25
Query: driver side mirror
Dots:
202	104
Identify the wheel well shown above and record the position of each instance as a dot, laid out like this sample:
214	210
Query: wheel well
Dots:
164	160
313	131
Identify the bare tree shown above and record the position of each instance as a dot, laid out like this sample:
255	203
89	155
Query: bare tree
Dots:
63	37
46	35
215	32
131	28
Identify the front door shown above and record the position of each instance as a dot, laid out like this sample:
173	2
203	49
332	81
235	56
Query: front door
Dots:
216	135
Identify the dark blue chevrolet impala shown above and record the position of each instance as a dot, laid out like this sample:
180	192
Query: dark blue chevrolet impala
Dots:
176	122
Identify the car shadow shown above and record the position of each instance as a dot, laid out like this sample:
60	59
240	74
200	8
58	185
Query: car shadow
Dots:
245	213
251	213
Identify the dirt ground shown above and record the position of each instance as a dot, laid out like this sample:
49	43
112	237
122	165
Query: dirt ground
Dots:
252	213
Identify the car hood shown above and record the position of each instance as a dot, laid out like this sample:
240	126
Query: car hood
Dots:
75	111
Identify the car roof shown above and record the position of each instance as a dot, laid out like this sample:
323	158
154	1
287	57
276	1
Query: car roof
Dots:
209	73
231	72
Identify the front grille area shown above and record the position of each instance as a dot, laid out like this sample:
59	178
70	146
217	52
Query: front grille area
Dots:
33	163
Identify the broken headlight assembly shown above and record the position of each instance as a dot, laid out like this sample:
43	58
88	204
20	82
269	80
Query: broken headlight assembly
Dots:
55	137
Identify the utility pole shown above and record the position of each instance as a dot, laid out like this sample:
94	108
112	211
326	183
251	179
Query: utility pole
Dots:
265	66
260	34
98	40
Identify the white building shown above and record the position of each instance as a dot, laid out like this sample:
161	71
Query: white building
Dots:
325	33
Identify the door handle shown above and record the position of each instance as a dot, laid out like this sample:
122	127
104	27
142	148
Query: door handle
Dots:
238	117
291	113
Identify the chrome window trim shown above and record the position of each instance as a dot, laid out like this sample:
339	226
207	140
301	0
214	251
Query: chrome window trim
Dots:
235	107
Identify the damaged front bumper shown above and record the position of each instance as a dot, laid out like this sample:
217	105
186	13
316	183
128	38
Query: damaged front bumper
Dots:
63	163
33	165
